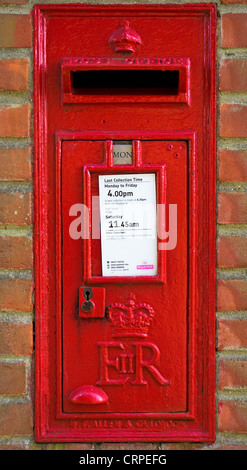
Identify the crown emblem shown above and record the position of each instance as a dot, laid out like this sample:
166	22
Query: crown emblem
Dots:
130	319
125	39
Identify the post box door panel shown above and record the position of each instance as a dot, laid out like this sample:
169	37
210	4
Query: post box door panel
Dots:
112	363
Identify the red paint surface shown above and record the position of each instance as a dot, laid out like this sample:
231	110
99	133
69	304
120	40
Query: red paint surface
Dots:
160	384
81	340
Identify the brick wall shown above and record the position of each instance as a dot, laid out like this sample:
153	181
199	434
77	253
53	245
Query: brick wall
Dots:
16	243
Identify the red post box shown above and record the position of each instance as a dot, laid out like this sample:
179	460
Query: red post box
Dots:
124	222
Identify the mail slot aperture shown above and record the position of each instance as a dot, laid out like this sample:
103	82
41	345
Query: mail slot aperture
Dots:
122	82
123	79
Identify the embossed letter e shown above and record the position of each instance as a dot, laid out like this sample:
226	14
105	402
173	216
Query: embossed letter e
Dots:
123	363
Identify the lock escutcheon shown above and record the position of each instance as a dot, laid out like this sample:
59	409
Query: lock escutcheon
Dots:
91	302
88	305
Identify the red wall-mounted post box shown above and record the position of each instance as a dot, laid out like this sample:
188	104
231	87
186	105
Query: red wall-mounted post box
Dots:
124	222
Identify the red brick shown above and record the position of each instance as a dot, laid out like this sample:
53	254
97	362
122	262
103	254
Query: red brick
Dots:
232	334
15	30
13	74
234	27
14	121
16	338
180	446
227	2
15	164
232	374
15	208
233	417
232	447
232	252
232	208
16	294
129	446
16	419
78	446
233	120
236	2
231	295
13	2
12	378
233	75
15	253
232	165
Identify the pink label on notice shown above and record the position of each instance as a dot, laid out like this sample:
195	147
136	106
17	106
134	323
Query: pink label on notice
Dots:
145	266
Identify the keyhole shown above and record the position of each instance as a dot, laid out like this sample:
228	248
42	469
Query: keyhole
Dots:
87	295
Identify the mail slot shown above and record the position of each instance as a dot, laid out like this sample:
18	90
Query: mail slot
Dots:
124	222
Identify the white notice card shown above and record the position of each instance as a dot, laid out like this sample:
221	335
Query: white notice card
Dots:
128	224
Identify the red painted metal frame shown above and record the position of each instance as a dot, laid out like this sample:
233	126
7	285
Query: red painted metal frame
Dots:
51	423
